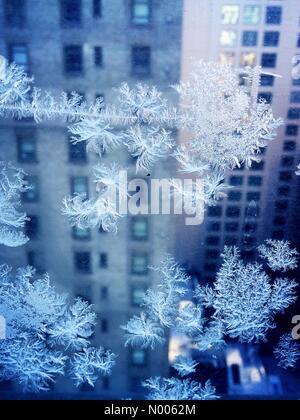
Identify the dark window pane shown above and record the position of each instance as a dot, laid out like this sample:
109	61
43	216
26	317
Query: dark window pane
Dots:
82	262
98	57
138	357
77	152
137	295
15	12
266	97
273	15
103	260
212	254
231	227
73	59
257	166
289	146
233	211
236	180
214	226
268	60
79	185
141	61
295	97
212	240
104	293
287	161
71	12
292	130
271	39
284	190
294	114
97	8
267	80
255	181
234	196
215	211
285	176
253	196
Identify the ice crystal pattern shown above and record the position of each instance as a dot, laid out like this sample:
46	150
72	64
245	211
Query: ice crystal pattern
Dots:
12	220
225	126
46	334
179	389
287	352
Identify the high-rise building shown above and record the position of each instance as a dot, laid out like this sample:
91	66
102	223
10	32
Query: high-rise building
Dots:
263	202
91	47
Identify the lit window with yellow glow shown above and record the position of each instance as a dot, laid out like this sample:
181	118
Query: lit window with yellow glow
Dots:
227	58
228	38
230	14
248	59
251	15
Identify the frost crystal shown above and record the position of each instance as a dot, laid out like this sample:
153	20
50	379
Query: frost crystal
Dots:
279	255
287	352
177	389
143	331
42	332
185	365
12	221
245	299
87	365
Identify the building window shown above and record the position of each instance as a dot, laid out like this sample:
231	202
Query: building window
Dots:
18	54
104	325
268	60
79	186
33	194
248	59
210	267
281	206
292	130
139	264
214	227
284	190
98	57
271	39
251	15
294	114
233	211
140	12
103	260
27	148
231	240
289	146
228	38
85	292
236	180
77	152
227	58
138	357
231	227
215	211
230	14
278	234
285	176
32	227
249	38
82	262
265	97
81	234
255	181
137	295
298	41
104	293
141	61
15	13
267	80
70	12
253	196
73	59
97	8
257	166
273	15
295	97
287	161
139	228
279	221
234	196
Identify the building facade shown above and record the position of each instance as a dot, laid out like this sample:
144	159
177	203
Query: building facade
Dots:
263	202
91	47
